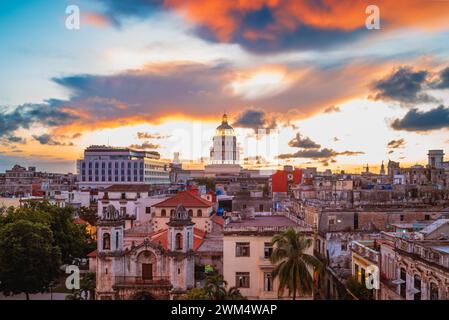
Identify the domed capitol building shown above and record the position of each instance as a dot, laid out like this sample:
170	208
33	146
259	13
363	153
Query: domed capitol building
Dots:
224	153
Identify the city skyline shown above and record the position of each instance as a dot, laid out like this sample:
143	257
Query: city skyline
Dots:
153	74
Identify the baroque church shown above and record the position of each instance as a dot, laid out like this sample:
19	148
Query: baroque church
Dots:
145	269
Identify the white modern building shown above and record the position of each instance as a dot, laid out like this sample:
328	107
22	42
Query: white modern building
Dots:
103	166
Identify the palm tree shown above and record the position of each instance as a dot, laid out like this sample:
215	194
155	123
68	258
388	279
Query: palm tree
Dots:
215	286
293	266
233	293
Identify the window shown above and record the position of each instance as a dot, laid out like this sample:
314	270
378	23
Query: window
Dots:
117	240
344	246
199	213
267	250
363	276
433	291
401	217
122	211
403	276
331	220
427	217
267	282
147	210
164	213
242	279
261	207
242	249
190	213
417	284
356	271
106	241
178	241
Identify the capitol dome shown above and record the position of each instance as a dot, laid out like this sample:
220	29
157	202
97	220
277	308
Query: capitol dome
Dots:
224	129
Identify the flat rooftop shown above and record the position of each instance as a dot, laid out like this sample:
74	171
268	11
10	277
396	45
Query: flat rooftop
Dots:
263	221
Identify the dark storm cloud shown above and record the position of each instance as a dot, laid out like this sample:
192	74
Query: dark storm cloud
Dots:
303	142
325	153
254	119
27	115
394	144
416	120
14	139
271	36
443	81
269	40
48	139
403	85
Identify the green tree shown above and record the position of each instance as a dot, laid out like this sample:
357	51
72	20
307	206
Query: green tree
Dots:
29	260
292	264
208	182
88	284
195	294
214	289
72	239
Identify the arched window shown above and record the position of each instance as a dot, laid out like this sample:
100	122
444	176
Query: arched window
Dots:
403	285
106	241
188	241
178	241
433	291
163	213
190	213
199	213
172	211
417	283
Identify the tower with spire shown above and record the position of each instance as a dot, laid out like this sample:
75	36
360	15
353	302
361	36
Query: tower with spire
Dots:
382	169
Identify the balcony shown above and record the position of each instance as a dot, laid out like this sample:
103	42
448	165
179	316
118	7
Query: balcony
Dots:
366	249
131	281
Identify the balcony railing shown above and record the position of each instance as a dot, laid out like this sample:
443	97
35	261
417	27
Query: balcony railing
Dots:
365	251
154	281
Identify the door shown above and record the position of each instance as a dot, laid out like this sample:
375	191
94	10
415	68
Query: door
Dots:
147	271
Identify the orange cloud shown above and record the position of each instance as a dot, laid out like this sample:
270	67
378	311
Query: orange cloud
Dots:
225	18
95	19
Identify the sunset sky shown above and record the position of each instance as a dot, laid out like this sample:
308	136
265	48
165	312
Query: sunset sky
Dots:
304	82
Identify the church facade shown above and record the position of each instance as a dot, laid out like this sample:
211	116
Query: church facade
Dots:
142	266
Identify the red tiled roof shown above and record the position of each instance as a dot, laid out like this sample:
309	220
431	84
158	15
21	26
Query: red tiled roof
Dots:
218	220
160	237
92	254
187	199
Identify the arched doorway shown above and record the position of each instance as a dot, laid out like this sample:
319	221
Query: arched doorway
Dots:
146	266
142	295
